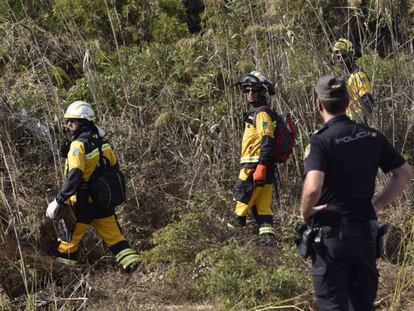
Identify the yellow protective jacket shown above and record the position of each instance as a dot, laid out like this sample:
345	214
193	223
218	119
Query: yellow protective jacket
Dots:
81	162
358	86
258	138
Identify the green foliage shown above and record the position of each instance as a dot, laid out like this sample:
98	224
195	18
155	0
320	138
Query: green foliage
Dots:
234	276
220	108
181	241
79	91
168	29
91	16
165	97
303	68
386	71
133	21
59	75
204	86
174	8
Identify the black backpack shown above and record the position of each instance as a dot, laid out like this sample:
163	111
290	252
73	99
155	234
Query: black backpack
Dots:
107	183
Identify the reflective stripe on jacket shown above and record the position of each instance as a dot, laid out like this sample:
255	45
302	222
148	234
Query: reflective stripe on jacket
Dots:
81	162
258	138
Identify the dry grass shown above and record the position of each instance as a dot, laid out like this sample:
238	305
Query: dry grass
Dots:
174	120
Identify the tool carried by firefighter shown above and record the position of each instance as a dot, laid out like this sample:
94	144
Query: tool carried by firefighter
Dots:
66	222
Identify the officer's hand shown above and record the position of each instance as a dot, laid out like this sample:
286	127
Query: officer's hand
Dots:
311	212
259	175
52	209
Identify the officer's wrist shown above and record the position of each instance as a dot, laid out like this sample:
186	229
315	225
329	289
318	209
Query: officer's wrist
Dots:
306	219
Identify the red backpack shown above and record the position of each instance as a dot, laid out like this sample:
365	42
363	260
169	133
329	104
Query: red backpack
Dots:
285	134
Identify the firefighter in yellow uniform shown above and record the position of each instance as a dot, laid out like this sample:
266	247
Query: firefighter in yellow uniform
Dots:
82	160
253	189
359	86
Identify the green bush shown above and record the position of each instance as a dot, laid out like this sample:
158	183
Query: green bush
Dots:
234	276
181	241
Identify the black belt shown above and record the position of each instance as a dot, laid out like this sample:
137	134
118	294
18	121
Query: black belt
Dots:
344	230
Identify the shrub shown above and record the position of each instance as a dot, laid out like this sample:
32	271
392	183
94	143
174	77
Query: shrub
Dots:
181	241
234	276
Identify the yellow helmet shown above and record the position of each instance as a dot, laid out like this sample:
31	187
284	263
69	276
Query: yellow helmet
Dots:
80	110
344	46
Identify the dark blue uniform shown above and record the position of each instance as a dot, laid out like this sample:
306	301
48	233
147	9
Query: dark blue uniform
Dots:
344	270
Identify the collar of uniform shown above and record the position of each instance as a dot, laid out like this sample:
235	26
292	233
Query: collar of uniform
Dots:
342	117
85	134
251	110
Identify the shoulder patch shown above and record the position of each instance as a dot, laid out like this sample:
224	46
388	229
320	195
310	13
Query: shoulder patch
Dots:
307	151
75	151
265	125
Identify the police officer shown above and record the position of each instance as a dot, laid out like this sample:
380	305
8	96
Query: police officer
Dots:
359	86
82	159
340	170
253	188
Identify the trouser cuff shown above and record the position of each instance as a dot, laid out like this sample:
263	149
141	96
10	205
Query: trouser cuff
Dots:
68	258
264	220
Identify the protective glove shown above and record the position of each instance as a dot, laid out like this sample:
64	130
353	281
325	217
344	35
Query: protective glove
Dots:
101	132
259	175
52	209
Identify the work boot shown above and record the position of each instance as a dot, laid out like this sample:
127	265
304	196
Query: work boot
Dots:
267	240
133	268
267	235
236	221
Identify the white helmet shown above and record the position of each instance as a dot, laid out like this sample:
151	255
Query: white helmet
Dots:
80	110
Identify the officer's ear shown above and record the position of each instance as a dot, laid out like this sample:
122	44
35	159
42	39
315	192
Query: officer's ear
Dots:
318	104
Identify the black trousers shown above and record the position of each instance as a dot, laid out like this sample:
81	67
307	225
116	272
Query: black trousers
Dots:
344	271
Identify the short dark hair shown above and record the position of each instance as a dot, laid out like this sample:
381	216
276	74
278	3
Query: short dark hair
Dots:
332	93
335	106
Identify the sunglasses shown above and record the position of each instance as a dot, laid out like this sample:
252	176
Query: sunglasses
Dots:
246	90
340	55
71	120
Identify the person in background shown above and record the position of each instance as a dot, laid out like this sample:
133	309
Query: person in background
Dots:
253	188
359	86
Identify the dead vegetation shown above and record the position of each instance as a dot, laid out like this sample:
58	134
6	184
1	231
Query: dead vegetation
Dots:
165	98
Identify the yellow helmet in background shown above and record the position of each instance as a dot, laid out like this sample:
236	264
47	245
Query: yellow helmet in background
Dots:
80	110
343	46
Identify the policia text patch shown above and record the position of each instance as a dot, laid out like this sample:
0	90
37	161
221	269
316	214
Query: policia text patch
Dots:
359	135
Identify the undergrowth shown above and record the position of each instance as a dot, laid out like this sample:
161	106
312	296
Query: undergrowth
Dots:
164	93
